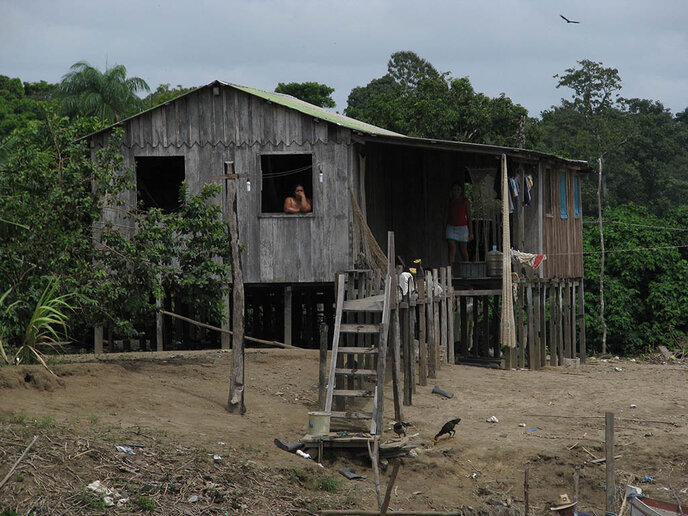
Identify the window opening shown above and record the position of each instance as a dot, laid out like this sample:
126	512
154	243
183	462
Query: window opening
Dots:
159	181
547	193
281	173
562	195
576	197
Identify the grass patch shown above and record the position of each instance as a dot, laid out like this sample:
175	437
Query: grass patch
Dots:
329	484
144	503
45	422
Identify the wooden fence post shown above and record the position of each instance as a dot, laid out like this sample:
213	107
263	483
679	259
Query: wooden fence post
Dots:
533	357
609	463
451	350
322	376
442	304
422	344
581	322
436	320
430	313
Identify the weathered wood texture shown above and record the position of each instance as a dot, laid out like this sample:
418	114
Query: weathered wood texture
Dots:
209	129
562	237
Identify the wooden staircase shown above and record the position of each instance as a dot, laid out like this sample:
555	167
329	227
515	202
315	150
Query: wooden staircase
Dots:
369	341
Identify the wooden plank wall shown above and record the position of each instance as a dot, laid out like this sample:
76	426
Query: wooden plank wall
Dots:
209	129
563	238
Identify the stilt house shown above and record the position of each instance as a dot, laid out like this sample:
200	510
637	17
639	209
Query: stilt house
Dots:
361	177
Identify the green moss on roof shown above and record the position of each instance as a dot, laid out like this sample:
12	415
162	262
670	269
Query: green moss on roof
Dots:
315	111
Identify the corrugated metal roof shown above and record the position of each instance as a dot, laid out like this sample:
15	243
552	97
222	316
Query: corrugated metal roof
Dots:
315	111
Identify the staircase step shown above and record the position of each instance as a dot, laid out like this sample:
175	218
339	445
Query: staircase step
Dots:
359	372
353	393
358	350
359	328
366	304
352	415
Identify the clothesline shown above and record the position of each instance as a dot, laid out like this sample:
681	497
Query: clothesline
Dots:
629	250
590	221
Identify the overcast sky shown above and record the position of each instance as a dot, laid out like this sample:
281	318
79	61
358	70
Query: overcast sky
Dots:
509	46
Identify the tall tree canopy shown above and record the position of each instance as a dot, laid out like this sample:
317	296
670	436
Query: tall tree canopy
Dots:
414	98
312	92
109	95
164	93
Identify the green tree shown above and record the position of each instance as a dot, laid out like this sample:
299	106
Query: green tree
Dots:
109	95
164	93
21	102
413	98
311	92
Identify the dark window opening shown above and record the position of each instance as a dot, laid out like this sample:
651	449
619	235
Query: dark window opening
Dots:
159	181
280	175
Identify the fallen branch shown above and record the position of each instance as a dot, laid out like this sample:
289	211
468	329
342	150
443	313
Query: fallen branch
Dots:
374	453
673	492
344	512
390	484
603	459
4	480
230	332
631	420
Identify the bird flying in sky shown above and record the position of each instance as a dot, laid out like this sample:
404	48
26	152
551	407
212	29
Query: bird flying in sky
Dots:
567	20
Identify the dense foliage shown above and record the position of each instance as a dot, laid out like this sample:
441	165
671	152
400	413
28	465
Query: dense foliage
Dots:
311	92
51	195
413	98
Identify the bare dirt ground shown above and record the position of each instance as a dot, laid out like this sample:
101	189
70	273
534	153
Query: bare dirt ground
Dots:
174	407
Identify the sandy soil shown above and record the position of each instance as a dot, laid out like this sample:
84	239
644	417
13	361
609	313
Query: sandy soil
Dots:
183	395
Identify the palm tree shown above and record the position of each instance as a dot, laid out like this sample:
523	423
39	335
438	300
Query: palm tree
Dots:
87	91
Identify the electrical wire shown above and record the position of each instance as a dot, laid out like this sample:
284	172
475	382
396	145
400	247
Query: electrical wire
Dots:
590	221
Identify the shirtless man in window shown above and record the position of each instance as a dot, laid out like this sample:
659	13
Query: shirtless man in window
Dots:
297	202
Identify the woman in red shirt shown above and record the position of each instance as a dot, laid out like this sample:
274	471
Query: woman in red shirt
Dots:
459	223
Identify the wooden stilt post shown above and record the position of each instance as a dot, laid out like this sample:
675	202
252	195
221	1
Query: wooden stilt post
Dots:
566	312
533	357
581	322
520	328
560	323
609	464
553	357
98	339
442	304
406	345
413	345
395	336
463	317
236	399
288	295
159	326
451	350
430	313
322	376
437	341
543	324
573	317
422	343
536	324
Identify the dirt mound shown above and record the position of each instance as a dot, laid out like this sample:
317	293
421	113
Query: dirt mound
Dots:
29	377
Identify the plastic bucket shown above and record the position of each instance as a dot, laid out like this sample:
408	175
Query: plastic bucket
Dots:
318	423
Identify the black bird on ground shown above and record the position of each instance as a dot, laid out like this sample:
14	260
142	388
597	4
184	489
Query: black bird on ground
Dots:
567	20
400	428
447	428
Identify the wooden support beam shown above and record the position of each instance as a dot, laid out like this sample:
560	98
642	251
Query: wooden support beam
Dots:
98	339
520	328
537	341
422	343
553	358
543	324
566	313
533	357
406	354
288	296
463	317
436	320
225	336
159	327
430	315
609	467
581	322
322	370
443	315
451	351
236	399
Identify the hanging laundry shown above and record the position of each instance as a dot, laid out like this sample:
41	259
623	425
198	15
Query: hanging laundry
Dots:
532	260
514	195
528	186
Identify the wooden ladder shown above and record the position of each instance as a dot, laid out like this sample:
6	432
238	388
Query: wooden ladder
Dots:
380	304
